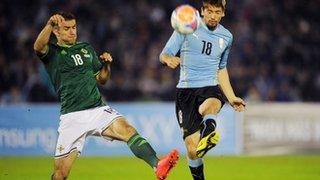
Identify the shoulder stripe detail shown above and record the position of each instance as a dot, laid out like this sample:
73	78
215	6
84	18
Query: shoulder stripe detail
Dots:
96	73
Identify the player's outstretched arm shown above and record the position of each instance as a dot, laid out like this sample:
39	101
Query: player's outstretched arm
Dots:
41	43
104	73
223	77
170	61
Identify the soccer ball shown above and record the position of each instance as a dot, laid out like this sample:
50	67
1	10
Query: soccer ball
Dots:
185	19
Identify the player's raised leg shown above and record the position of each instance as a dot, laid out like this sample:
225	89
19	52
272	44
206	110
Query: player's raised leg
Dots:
208	135
121	130
62	166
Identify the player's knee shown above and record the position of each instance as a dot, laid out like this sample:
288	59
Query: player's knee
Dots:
120	130
130	130
210	106
125	130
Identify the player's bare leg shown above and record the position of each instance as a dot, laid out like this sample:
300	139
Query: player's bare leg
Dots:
208	136
195	163
191	143
62	166
121	130
210	106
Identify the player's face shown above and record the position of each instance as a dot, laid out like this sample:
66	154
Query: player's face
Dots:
67	32
212	15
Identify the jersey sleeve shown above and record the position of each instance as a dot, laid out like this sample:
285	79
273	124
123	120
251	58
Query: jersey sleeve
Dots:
96	63
45	58
174	44
225	55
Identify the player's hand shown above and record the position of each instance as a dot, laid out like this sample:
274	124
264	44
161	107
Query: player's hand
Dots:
238	104
106	57
55	20
172	62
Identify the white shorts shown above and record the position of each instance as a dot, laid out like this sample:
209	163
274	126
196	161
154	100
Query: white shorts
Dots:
74	127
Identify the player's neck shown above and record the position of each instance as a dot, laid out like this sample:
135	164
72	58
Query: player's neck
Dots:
62	44
212	28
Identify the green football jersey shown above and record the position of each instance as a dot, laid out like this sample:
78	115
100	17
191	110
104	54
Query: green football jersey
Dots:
72	71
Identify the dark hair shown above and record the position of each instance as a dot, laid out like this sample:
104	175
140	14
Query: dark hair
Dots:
67	15
217	3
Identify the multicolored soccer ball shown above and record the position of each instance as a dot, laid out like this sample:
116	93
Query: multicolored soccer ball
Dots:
185	19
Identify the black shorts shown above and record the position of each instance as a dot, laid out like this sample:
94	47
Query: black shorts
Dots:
188	101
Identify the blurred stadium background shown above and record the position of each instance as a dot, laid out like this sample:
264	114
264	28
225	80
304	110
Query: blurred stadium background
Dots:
274	65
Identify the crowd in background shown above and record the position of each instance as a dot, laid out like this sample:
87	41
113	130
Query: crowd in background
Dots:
275	54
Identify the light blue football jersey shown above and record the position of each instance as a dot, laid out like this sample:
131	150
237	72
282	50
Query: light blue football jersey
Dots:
202	54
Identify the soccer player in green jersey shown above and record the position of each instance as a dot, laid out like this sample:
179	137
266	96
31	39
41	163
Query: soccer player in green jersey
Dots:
75	70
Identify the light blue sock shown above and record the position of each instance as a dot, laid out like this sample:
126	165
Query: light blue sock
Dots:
196	169
195	163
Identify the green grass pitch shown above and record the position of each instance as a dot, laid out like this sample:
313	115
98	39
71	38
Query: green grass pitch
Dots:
125	168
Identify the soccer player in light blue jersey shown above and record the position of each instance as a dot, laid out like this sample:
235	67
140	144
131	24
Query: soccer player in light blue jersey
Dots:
203	74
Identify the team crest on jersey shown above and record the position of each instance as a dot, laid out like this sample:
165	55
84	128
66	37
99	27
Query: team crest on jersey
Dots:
84	51
221	43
